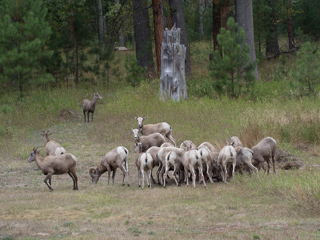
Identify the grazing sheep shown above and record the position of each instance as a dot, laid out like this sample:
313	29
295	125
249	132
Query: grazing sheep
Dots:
52	147
235	141
167	144
227	155
89	106
265	150
153	151
161	155
115	158
163	128
207	145
244	159
144	162
192	161
173	160
55	165
188	145
148	141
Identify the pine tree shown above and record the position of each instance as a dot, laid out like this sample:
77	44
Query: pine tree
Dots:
232	72
23	33
307	72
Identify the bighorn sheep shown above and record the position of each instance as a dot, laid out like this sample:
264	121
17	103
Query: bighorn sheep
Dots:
153	152
52	147
115	158
227	155
144	162
154	139
188	145
173	159
89	106
163	128
265	150
244	159
235	141
167	144
209	155
55	165
192	161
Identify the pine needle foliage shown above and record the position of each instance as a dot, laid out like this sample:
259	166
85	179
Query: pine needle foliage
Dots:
232	72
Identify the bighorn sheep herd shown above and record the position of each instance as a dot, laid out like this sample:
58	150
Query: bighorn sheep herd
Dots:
188	162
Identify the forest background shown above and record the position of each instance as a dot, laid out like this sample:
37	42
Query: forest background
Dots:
53	54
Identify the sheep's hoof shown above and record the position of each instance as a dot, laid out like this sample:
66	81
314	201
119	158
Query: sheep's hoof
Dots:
123	184
139	186
128	185
159	183
149	186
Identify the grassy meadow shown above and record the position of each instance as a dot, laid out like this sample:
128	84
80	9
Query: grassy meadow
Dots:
285	205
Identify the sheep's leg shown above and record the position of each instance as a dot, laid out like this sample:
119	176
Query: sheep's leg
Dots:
209	173
139	176
74	179
91	116
273	164
114	174
193	172
124	174
162	177
268	162
149	176
233	167
174	175
225	173
251	167
171	139
46	179
201	174
142	173
84	113
88	114
109	172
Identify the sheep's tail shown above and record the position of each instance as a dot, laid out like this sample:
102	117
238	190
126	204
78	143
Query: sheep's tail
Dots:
59	151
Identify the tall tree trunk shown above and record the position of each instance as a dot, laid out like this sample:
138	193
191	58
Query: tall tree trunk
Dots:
272	45
244	18
142	35
100	20
176	7
292	46
216	24
201	7
169	15
120	33
158	21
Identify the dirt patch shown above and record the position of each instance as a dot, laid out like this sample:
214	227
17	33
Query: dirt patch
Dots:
286	161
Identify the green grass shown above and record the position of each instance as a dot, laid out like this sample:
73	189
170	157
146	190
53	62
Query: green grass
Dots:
281	206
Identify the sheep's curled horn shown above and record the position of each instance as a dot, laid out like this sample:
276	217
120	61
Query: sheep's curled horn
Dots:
92	170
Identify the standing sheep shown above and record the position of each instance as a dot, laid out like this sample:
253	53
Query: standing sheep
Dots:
55	165
226	156
89	106
192	161
144	163
265	150
52	147
163	128
154	139
115	158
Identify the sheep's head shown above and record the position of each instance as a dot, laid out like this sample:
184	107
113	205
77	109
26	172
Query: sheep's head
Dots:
140	121
138	147
94	175
33	155
97	96
135	134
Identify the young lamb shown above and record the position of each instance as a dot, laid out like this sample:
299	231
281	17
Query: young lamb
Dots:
265	150
148	141
115	158
227	155
89	106
174	160
244	159
192	161
55	165
188	145
163	128
144	163
235	141
153	151
52	147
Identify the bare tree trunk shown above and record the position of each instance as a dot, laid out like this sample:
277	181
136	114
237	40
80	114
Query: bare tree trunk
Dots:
290	30
158	21
216	24
272	45
176	7
244	18
100	20
142	35
201	7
